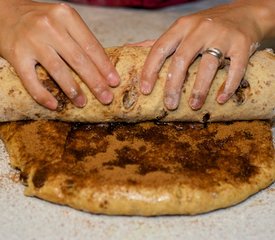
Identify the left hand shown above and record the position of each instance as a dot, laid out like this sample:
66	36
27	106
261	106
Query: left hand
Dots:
231	28
54	35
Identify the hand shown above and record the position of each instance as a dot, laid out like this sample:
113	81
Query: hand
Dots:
231	28
55	36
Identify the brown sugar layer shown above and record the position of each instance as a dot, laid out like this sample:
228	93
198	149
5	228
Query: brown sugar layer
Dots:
63	162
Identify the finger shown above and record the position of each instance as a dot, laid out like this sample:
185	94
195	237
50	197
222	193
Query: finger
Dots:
80	32
178	68
235	74
89	73
146	43
206	73
26	71
62	75
162	49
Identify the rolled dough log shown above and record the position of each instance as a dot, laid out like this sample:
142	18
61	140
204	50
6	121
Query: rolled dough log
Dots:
255	98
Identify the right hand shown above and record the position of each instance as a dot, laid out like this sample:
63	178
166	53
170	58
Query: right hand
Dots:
55	36
236	29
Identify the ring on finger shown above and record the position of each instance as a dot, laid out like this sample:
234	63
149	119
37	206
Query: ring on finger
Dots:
217	53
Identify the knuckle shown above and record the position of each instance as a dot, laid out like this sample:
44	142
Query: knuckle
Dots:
151	74
224	32
212	65
40	98
181	21
238	67
54	65
178	57
98	89
78	59
72	90
174	89
242	39
25	73
90	47
179	60
14	51
97	84
43	21
147	74
39	94
198	94
204	23
160	52
57	11
230	91
158	49
62	10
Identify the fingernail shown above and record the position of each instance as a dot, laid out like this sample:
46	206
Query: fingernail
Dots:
80	101
145	87
106	97
51	104
73	93
195	103
113	79
171	101
222	98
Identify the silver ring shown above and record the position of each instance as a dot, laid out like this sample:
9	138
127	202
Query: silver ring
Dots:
217	53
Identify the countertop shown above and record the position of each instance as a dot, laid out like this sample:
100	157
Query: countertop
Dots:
30	218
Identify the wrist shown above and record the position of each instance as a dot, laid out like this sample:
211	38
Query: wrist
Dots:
263	13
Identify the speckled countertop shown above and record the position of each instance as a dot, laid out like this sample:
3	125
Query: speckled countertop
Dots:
30	218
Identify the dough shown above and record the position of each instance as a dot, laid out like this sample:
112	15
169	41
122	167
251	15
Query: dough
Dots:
255	98
142	169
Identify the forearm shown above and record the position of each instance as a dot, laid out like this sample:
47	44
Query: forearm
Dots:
264	14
